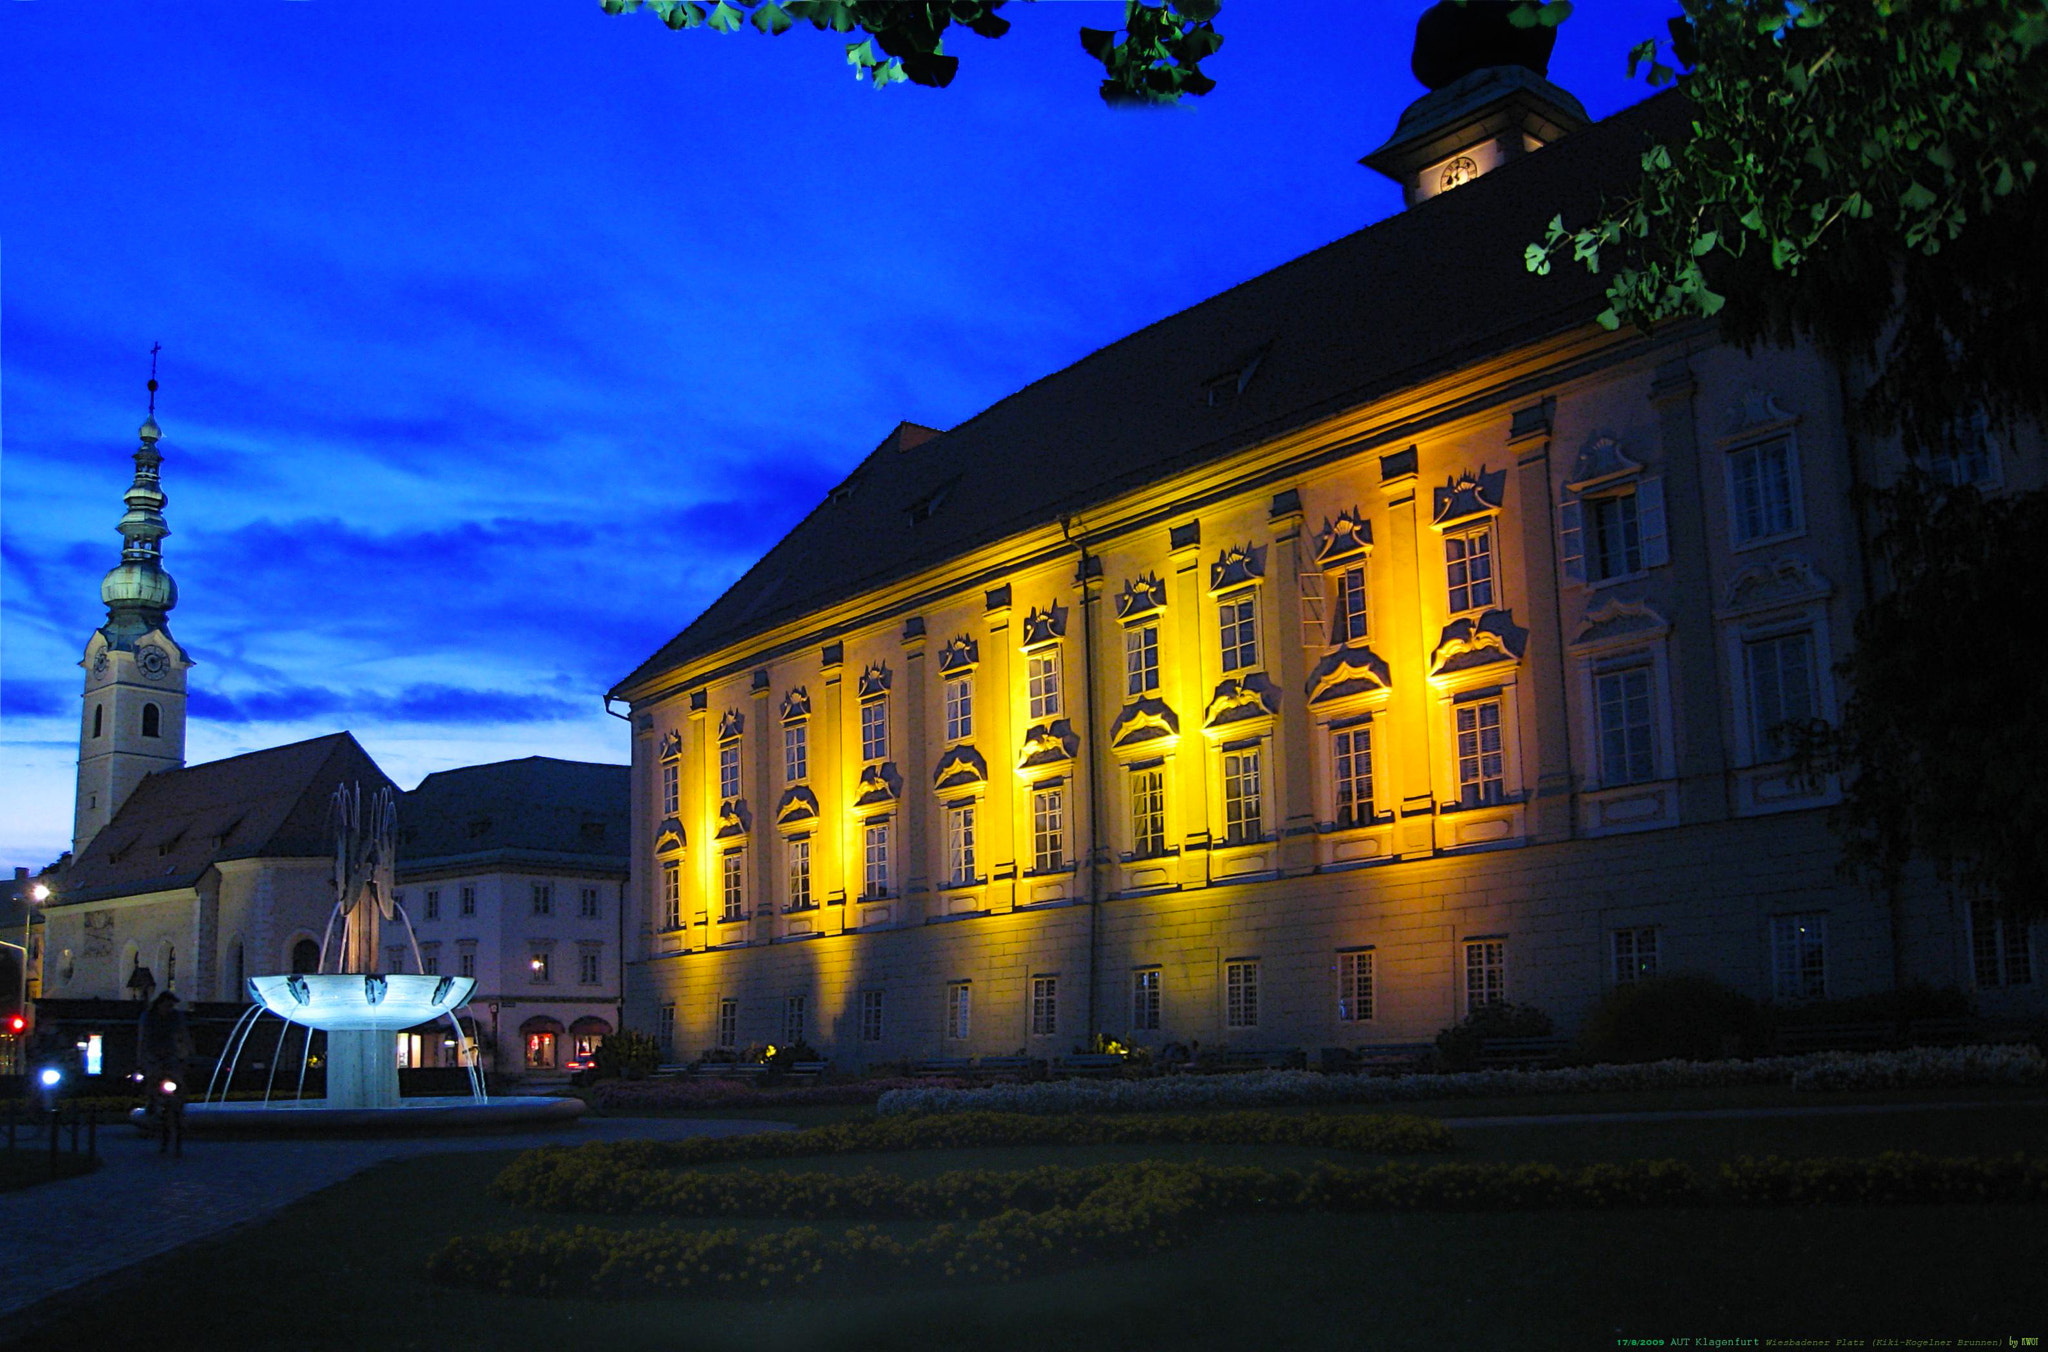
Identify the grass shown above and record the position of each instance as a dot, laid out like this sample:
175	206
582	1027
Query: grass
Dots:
343	1268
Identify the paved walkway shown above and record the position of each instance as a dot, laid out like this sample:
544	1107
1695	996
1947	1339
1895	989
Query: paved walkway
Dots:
138	1204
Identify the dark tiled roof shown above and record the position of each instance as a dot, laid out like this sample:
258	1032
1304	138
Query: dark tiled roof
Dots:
1437	287
179	823
536	810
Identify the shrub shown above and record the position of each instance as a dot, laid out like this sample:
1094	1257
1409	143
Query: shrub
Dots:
1693	1018
1890	1179
1458	1047
1920	1066
683	1095
1915	1001
627	1055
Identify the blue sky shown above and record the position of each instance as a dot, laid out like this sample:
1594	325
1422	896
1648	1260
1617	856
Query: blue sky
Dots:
499	339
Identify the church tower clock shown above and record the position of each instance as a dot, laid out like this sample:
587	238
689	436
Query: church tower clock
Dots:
133	723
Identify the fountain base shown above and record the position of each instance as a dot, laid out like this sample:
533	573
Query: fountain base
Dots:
404	1116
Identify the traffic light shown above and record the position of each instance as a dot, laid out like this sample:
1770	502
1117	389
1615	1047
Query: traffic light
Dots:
16	1024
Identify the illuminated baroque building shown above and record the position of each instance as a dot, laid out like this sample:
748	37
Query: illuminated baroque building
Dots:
1376	639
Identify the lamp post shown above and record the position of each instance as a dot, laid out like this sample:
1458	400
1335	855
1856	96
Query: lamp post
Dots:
37	895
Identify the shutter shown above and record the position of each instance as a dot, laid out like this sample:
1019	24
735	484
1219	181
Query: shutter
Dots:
1314	619
1650	523
1571	541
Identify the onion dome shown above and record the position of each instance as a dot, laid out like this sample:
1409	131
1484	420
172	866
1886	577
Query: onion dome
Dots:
137	591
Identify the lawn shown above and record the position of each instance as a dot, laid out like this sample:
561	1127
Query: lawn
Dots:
343	1268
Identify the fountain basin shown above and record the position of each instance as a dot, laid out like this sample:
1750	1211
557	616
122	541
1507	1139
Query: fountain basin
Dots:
315	1116
339	1002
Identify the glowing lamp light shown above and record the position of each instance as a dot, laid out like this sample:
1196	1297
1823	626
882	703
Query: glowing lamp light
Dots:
50	1077
346	1001
535	964
169	1086
41	891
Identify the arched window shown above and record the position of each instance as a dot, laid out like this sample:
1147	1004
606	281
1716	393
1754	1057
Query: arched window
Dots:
305	956
99	719
152	721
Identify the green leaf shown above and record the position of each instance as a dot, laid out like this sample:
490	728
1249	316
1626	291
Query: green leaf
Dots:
1098	43
1753	220
1917	197
1555	13
772	19
1608	319
1709	302
1526	15
860	55
725	18
1704	245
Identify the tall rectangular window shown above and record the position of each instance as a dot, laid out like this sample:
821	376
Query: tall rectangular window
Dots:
1614	539
1354	986
1145	1000
796	752
871	1016
1799	957
538	965
433	903
665	1027
1468	569
959	1009
672	894
1635	954
1141	660
1351	761
960	843
729	771
1763	491
465	962
959	708
1042	682
1243	819
1486	973
1241	994
586	903
874	730
1048	830
543	898
1045	1006
794	1009
1481	765
589	967
1350	620
799	873
1238	620
2000	952
671	788
875	847
1780	691
1628	748
468	900
1148	811
728	1022
734	885
1967	454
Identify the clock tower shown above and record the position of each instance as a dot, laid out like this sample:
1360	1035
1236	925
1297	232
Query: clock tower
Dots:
133	723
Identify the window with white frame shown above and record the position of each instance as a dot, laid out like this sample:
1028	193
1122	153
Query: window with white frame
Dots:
1141	660
960	843
1781	691
2001	953
1148	811
468	900
1238	623
1241	993
875	859
1636	956
1243	817
871	1016
1351	766
1045	1006
959	708
1354	986
432	905
1048	829
430	961
1614	540
1763	491
874	730
538	966
586	903
1614	532
665	1026
672	894
733	885
1967	455
671	788
795	1008
799	859
543	898
1799	957
1486	973
1468	569
728	1022
729	770
1145	1000
590	966
1348	625
1482	772
959	1009
1628	745
465	962
1042	682
796	752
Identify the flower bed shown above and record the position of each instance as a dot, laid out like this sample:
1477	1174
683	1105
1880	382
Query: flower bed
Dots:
2018	1065
625	1096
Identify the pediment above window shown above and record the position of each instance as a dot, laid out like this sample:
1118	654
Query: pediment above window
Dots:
1484	641
1620	621
731	724
959	654
960	770
1047	745
1143	723
672	745
1348	537
1755	409
669	837
1600	461
1237	565
1045	626
881	783
1784	581
1141	596
1469	495
735	818
874	681
1351	672
796	704
797	808
1239	706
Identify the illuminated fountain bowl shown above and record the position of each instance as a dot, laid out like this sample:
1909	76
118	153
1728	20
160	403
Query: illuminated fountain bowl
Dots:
339	1002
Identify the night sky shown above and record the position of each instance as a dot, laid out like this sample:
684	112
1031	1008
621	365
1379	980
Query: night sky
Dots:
497	340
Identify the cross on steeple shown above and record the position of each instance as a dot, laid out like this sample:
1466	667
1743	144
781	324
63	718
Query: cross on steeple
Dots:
154	348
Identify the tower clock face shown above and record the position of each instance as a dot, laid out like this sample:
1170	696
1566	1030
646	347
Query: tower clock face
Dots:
153	662
99	664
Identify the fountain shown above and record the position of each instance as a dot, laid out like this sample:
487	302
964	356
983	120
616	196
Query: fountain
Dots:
360	1010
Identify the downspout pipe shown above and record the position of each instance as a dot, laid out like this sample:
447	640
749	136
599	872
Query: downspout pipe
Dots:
1083	576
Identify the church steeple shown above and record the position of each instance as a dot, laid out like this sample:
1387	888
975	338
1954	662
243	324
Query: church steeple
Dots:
133	723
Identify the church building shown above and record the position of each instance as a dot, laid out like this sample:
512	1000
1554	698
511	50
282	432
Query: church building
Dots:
1376	640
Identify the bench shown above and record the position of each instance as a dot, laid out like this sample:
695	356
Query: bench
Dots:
808	1069
729	1070
1521	1053
1008	1065
1835	1037
1393	1058
1089	1063
944	1065
1261	1058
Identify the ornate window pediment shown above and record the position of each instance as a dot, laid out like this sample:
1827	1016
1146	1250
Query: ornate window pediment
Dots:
1350	672
1469	495
1478	641
672	745
1141	596
1143	723
874	681
1786	580
1620	621
1048	744
960	770
879	784
731	724
797	808
1045	626
1600	461
1239	702
669	837
735	818
959	654
1348	537
796	705
1755	409
1237	565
